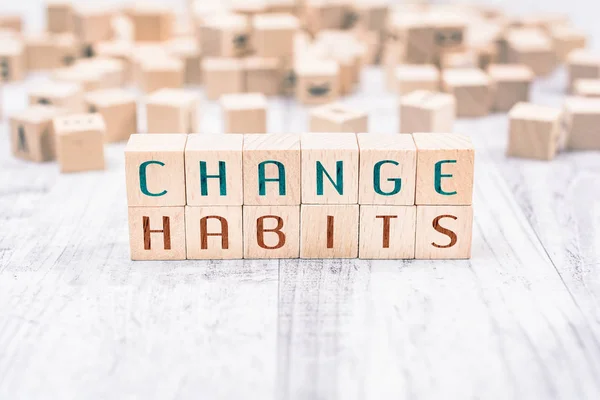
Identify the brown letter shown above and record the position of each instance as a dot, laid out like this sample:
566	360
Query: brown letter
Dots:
386	229
330	222
204	232
260	232
447	232
166	231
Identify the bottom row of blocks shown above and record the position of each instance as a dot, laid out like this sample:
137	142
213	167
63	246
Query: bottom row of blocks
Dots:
306	231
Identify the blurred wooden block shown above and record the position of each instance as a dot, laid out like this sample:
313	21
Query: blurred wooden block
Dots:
111	70
582	64
59	16
222	76
339	118
329	231
511	84
244	113
587	87
272	170
372	14
39	52
32	134
13	62
534	131
388	167
80	142
411	77
152	22
325	14
273	34
271	232
413	38
581	120
460	59
154	170
157	233
424	111
66	95
262	75
531	47
118	108
89	79
119	50
187	50
445	165
226	35
172	111
282	6
387	232
449	33
566	39
11	22
444	232
317	82
214	232
471	89
213	170
66	50
329	168
342	48
92	22
162	72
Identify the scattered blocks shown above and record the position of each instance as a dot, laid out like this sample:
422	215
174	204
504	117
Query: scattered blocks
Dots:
582	64
416	77
273	34
582	119
244	113
317	82
472	90
444	232
187	50
510	84
337	117
162	72
152	22
566	39
222	76
531	47
59	16
32	134
80	142
39	52
424	111
172	111
534	131
263	75
118	109
66	95
92	23
225	35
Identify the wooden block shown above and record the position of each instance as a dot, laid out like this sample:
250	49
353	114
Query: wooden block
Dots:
587	87
413	37
272	169
581	120
372	14
445	163
449	33
388	167
471	89
460	59
112	70
582	64
80	142
172	111
511	85
66	95
120	50
152	22
263	75
145	53
566	39
222	76
157	233
213	170
187	50
325	14
329	168
444	232
214	232
343	48
317	81
271	232
32	134
59	16
424	111
163	72
244	113
154	170
12	60
387	232
534	131
39	52
282	6
92	22
89	79
12	22
66	50
411	77
226	35
273	34
118	108
338	117
329	231
531	47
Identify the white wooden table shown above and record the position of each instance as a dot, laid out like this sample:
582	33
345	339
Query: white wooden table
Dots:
521	319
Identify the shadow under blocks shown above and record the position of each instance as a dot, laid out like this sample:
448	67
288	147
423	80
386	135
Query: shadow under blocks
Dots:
314	195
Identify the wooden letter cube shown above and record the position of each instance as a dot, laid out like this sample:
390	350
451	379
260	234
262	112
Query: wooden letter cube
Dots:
410	77
318	82
387	232
510	85
244	113
531	47
213	170
214	232
162	72
472	90
582	119
118	109
157	233
12	60
329	231
329	168
172	111
445	164
222	76
388	169
32	134
272	169
271	231
225	35
582	64
534	131
80	142
337	117
444	232
66	95
59	16
274	34
423	111
154	170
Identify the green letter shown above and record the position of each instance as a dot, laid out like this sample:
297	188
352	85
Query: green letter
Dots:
144	182
204	179
377	179
339	177
438	177
262	180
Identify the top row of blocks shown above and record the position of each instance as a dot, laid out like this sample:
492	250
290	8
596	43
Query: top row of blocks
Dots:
288	169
